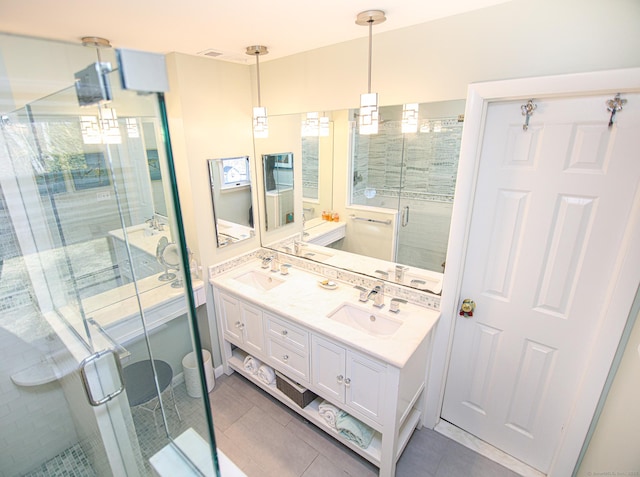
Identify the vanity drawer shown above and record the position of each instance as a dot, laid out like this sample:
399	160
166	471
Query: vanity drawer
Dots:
291	361
287	333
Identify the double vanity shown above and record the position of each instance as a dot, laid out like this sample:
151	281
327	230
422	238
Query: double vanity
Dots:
360	344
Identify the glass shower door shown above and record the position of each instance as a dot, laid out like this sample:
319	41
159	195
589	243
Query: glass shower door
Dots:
81	286
429	167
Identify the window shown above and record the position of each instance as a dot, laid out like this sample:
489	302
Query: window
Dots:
234	172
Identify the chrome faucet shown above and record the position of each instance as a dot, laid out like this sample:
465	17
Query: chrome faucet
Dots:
400	269
275	266
377	292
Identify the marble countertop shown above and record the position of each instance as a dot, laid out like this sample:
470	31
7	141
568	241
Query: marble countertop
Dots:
121	303
301	299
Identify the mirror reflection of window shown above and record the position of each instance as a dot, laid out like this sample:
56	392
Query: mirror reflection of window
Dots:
230	181
235	172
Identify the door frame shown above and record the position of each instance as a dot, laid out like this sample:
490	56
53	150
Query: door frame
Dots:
479	96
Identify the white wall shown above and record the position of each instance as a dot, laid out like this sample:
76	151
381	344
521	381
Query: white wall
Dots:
209	112
435	61
613	449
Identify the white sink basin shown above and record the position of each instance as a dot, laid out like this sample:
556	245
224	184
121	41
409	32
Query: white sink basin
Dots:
362	319
259	281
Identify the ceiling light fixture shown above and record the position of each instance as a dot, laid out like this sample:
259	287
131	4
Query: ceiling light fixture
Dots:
368	119
315	125
260	122
410	118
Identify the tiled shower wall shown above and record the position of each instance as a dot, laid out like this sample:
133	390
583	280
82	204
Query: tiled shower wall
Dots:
416	170
35	423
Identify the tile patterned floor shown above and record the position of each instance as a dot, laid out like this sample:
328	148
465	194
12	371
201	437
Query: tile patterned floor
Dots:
267	439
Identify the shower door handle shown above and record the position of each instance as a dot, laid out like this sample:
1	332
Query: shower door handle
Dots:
90	379
405	216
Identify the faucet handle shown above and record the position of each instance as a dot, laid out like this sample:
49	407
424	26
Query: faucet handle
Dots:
382	274
364	294
394	307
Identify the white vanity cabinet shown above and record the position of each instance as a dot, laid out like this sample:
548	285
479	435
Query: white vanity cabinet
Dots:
242	324
350	378
377	392
287	347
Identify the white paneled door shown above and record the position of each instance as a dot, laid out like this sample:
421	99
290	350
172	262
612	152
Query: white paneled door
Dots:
549	218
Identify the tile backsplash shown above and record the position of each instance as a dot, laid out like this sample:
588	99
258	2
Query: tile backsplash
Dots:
412	295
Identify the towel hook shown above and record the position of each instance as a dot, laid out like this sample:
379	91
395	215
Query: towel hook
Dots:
614	105
527	111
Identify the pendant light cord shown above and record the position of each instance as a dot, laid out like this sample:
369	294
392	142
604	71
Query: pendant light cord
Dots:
258	76
370	51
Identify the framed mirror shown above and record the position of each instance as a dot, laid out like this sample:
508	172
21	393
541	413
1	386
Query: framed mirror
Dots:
278	189
230	180
393	191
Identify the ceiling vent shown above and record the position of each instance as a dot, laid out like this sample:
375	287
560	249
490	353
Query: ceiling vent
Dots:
225	56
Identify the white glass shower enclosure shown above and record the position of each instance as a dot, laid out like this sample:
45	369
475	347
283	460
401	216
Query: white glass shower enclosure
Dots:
86	198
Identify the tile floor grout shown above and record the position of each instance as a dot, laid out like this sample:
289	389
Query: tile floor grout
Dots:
428	454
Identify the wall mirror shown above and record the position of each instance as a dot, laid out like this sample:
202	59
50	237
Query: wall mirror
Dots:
153	163
279	202
230	181
393	191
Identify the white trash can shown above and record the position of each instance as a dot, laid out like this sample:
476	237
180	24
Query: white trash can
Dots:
191	375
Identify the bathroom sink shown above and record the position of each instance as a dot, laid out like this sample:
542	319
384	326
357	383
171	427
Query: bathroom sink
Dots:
259	281
361	319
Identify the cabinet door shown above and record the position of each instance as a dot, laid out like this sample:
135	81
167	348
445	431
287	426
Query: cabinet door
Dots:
231	318
328	368
253	335
365	385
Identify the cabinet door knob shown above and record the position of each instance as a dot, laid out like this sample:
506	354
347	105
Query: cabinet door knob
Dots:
347	381
340	378
285	332
238	324
285	357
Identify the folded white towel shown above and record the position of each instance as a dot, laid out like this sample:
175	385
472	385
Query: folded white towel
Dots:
329	412
252	364
266	374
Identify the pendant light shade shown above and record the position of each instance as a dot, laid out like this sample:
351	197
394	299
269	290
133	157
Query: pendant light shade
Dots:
368	117
410	118
260	120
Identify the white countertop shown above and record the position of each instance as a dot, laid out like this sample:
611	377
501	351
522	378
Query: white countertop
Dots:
303	301
120	304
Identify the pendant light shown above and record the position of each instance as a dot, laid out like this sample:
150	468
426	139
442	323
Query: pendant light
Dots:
315	125
410	118
368	118
260	122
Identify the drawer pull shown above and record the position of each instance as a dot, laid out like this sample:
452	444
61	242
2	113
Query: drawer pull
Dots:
347	382
340	378
285	357
285	332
